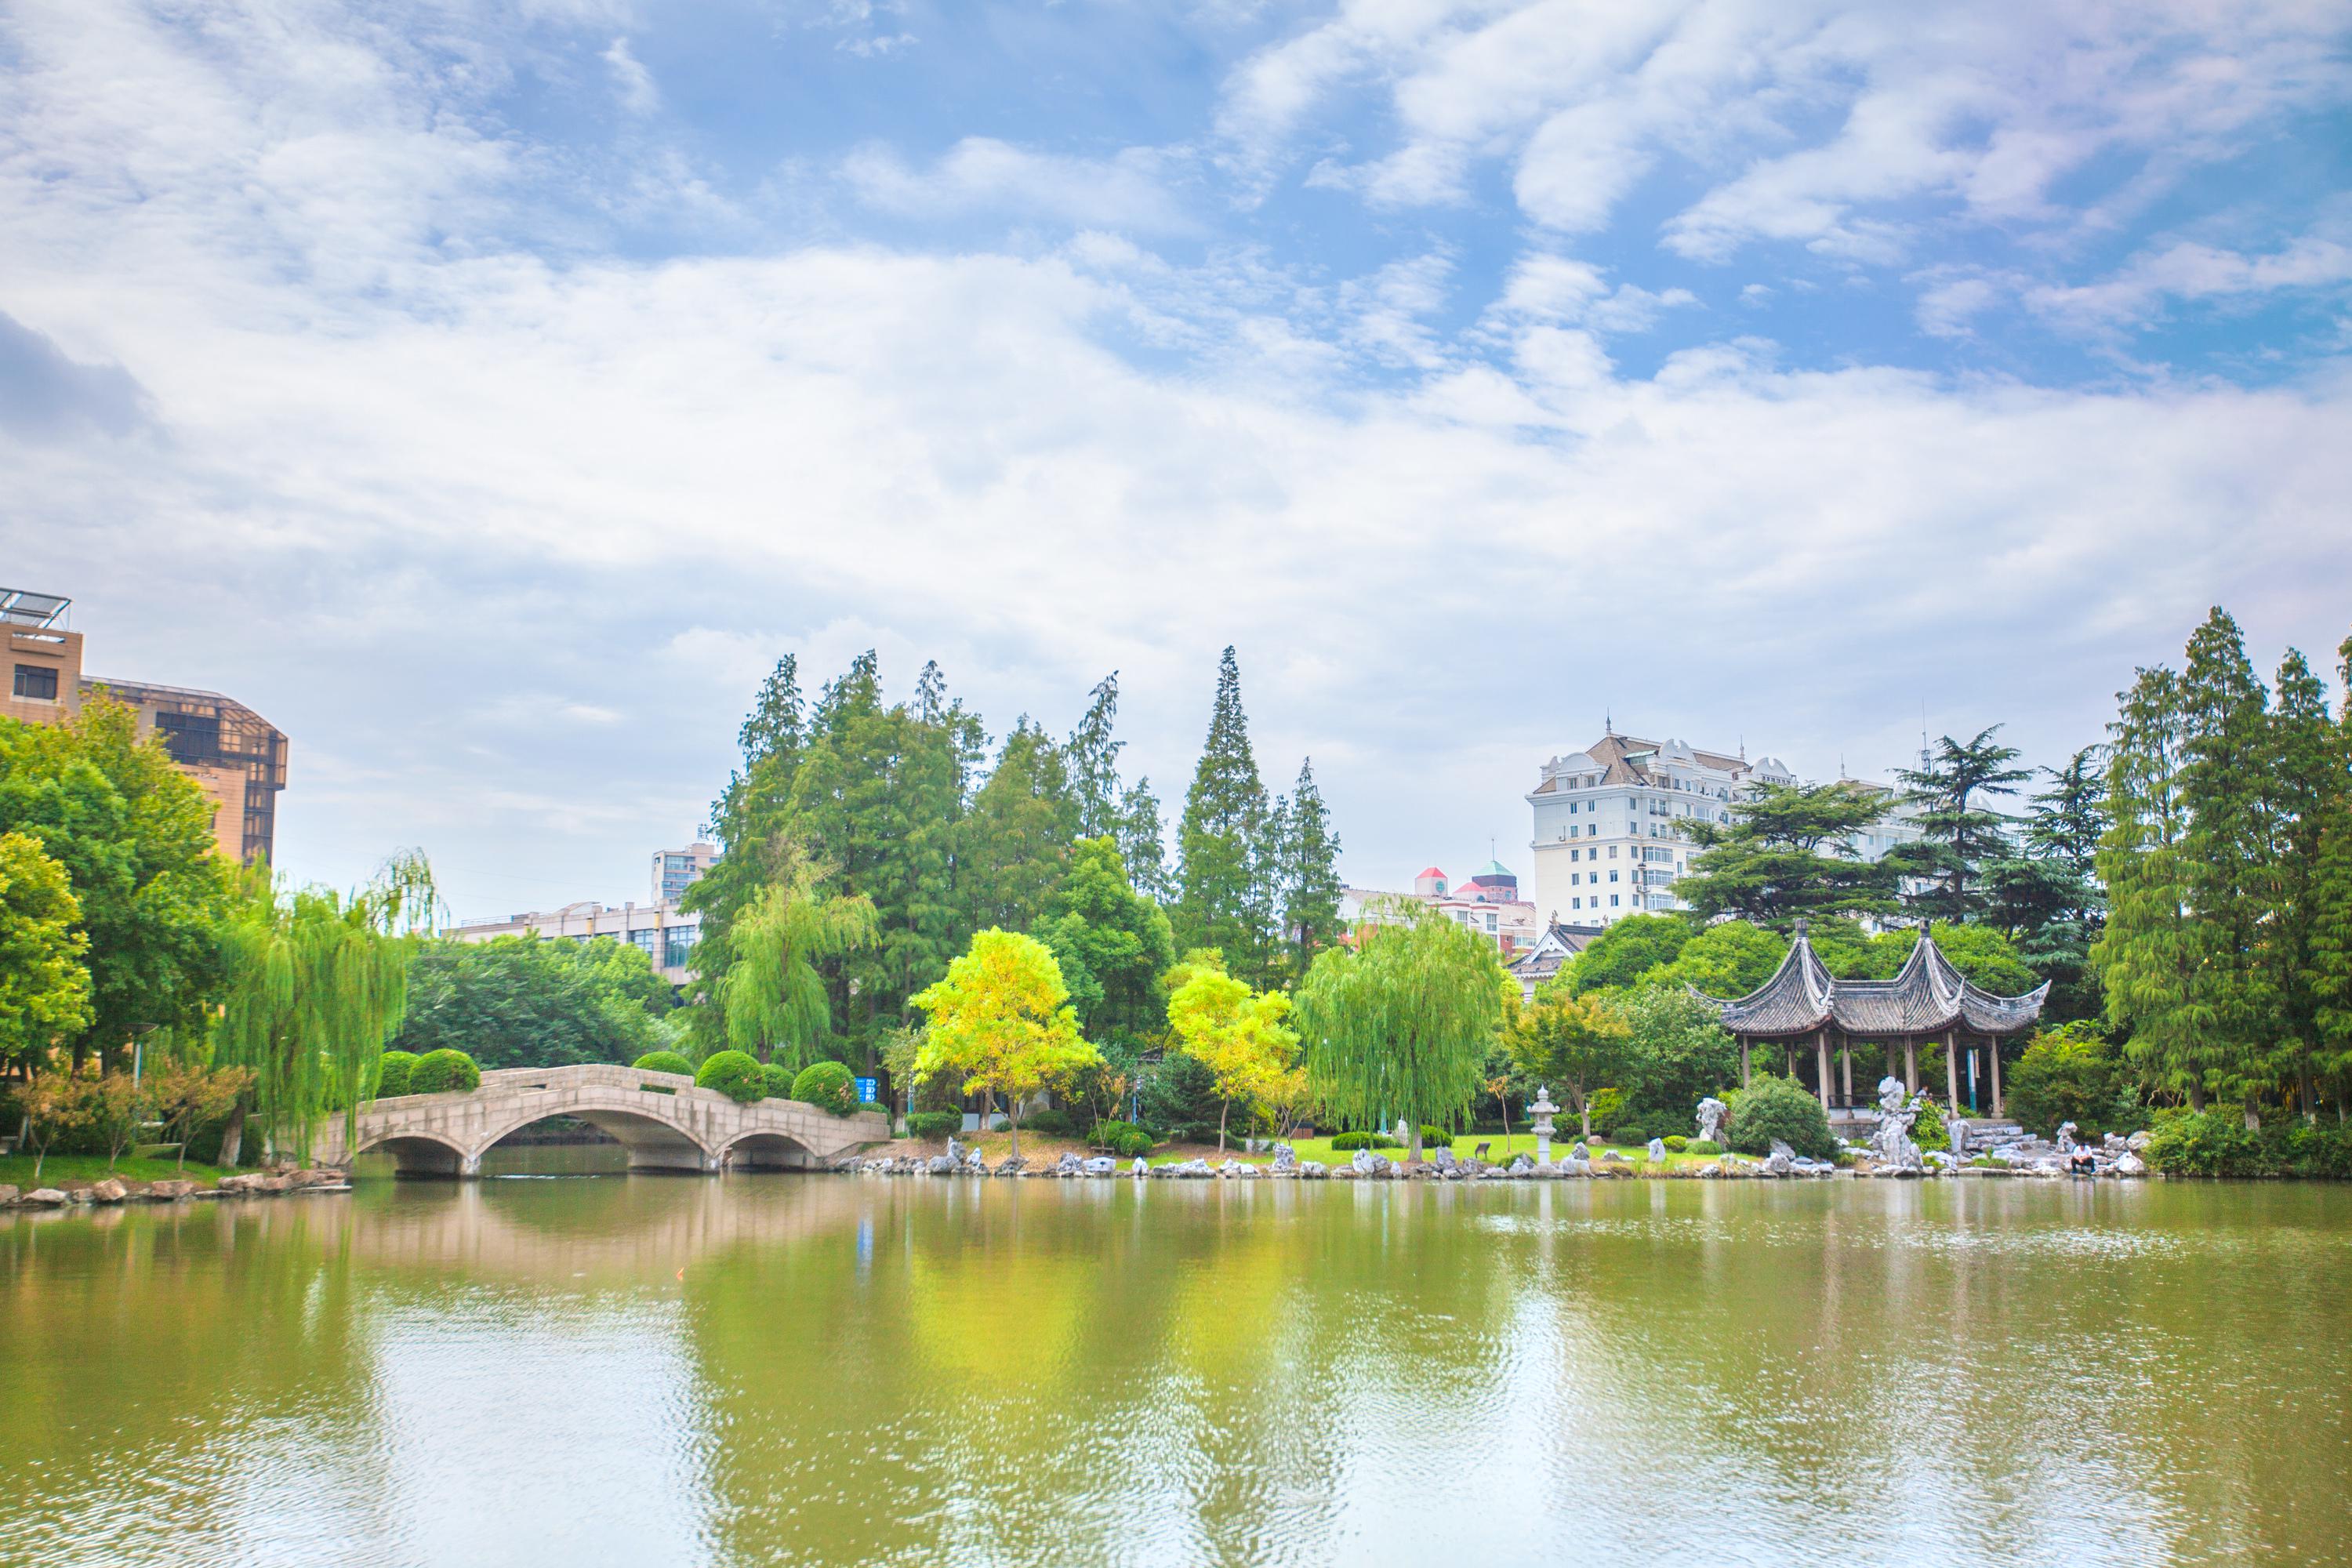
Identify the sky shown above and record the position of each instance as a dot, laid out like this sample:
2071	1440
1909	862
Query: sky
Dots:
488	393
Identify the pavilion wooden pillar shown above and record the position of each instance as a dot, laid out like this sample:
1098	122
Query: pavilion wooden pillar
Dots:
1992	1060
1910	1064
1743	1061
1845	1057
1822	1066
1951	1073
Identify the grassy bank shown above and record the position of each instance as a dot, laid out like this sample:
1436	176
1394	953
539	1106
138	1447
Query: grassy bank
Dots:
68	1171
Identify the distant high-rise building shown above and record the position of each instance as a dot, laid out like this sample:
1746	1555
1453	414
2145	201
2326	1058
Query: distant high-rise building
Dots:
234	753
1608	837
675	870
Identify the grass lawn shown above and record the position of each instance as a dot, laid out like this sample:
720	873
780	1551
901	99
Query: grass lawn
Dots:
63	1171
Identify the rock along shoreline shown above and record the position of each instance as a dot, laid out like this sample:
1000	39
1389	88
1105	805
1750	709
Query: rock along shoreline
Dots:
113	1190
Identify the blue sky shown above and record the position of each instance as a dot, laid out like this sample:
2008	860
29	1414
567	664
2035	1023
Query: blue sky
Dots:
488	393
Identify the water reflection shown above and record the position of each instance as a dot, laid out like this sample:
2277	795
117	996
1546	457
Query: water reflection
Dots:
817	1369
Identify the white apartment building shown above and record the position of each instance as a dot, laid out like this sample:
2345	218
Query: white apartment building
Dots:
1607	842
666	936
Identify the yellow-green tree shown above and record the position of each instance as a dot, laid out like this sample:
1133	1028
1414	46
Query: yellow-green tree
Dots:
1238	1033
44	989
1001	1023
1579	1043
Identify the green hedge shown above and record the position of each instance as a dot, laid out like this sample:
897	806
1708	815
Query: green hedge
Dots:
2217	1144
1344	1142
1054	1122
663	1061
394	1073
1628	1133
826	1085
933	1124
442	1071
1124	1139
735	1074
1676	1145
1702	1147
1780	1108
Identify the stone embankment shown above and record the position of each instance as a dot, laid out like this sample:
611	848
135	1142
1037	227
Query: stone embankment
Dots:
272	1183
2116	1158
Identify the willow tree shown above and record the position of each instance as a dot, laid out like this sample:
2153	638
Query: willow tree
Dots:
771	995
1401	1024
317	983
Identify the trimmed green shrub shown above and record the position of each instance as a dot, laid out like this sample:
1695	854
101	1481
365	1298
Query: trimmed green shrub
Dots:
1780	1108
1677	1144
1124	1139
663	1061
778	1077
2072	1073
999	1124
735	1074
2217	1144
393	1071
1628	1135
827	1086
1053	1121
1927	1129
1704	1148
1344	1142
1435	1137
442	1071
929	1125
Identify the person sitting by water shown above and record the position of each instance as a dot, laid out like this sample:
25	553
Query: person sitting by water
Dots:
2082	1162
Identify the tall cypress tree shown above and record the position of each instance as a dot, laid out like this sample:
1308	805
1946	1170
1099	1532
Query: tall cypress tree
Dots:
1017	838
1311	883
2047	898
1142	840
2304	749
2329	939
1092	757
2229	786
2149	956
1221	835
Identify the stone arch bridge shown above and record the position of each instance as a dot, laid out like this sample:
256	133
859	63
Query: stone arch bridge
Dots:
661	1119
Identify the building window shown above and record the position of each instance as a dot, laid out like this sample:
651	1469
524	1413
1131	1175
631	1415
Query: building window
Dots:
1612	876
1576	903
38	681
1612	900
1576	855
1612	852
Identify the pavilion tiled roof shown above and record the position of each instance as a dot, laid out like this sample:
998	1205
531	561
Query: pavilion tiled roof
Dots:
1926	997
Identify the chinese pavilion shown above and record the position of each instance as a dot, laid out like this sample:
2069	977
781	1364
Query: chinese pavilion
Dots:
1811	1014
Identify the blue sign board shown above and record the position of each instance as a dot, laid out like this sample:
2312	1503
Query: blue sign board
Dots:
868	1090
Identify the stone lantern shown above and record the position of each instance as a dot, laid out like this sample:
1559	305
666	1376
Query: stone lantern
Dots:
1543	1110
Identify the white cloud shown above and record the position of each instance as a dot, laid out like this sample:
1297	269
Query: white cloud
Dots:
632	82
1820	121
626	485
2145	287
981	174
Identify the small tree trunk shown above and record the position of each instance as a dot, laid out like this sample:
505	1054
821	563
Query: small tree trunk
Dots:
1015	1118
2197	1097
2253	1115
1223	1110
40	1152
232	1138
1412	1144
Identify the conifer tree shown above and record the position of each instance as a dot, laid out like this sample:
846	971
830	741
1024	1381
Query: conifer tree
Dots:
2303	750
1310	873
1092	757
1221	837
1017	838
2228	787
2329	938
2149	956
2047	898
1141	840
1961	835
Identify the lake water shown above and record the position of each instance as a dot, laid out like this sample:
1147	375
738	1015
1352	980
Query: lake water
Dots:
799	1369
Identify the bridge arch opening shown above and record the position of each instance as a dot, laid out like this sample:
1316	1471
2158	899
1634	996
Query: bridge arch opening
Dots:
420	1154
651	1142
769	1152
